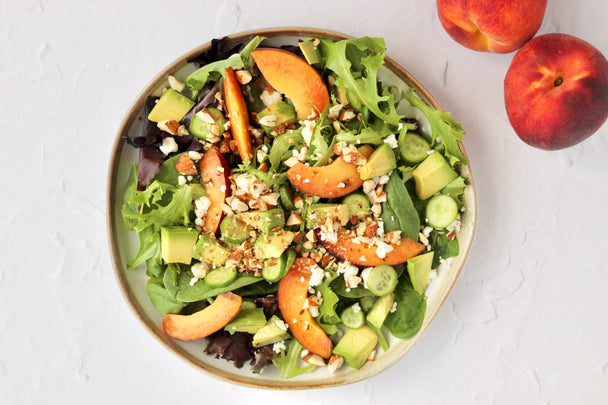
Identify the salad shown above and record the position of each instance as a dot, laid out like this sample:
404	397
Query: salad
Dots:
289	214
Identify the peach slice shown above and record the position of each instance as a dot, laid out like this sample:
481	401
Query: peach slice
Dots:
361	254
238	115
336	179
214	175
293	76
204	322
292	293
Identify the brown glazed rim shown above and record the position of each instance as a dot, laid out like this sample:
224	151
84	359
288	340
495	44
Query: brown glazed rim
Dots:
111	210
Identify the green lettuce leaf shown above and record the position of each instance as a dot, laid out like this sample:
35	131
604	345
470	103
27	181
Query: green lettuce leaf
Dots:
328	318
355	63
215	70
288	361
443	126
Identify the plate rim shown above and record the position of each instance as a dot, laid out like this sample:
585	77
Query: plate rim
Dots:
112	191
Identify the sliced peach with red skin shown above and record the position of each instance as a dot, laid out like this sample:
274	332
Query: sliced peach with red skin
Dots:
291	75
292	294
336	179
237	114
362	254
204	322
215	174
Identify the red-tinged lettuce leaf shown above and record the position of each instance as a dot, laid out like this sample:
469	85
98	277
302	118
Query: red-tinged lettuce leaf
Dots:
269	303
236	347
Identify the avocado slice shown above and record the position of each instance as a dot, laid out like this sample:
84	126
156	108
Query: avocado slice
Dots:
177	244
272	245
419	269
170	106
433	174
319	213
209	250
265	221
380	162
247	320
356	345
283	112
273	331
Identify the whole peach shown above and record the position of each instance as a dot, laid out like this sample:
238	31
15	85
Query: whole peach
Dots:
556	91
497	26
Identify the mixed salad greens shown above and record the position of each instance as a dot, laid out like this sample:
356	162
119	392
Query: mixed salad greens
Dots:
286	210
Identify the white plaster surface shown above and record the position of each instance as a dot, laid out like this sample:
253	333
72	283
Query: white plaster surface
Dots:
526	323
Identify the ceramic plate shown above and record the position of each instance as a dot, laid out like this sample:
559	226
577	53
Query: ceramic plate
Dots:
124	244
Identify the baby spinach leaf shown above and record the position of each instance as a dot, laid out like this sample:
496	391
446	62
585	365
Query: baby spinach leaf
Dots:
443	247
201	290
403	210
162	300
407	318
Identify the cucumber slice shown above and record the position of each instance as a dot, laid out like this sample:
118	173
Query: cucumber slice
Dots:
414	148
358	204
382	280
286	194
234	230
221	276
353	317
441	211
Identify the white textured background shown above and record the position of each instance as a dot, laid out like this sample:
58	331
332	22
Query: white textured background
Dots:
526	323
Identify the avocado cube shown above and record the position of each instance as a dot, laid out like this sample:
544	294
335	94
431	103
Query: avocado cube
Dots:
177	244
380	310
419	269
311	53
272	245
319	213
356	345
247	320
380	162
433	174
209	250
273	331
264	221
170	106
283	113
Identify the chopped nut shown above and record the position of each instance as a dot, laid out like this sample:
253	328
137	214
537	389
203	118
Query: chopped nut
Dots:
292	161
294	219
335	362
243	76
271	198
176	84
314	359
347	115
185	165
205	116
170	126
269	120
182	131
298	202
372	356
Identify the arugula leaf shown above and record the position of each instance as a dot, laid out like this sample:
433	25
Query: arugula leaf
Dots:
407	318
400	203
355	63
288	361
443	126
215	70
443	247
